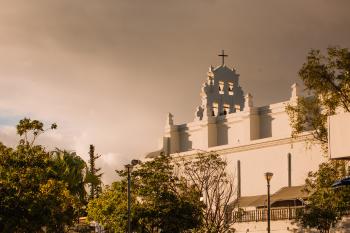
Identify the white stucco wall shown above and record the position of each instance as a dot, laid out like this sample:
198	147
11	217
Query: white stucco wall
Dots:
260	137
244	126
269	155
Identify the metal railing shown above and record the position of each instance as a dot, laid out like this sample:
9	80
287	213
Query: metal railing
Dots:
260	215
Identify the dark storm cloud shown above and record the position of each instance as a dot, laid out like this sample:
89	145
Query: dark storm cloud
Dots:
108	71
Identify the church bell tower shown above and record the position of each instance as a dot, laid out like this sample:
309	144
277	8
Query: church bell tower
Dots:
221	94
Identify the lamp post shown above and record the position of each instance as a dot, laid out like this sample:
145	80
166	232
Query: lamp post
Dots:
129	167
268	176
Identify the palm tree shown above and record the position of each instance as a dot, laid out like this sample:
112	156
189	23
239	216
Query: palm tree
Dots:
71	168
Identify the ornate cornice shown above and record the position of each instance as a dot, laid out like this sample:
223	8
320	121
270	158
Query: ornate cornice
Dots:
259	145
253	145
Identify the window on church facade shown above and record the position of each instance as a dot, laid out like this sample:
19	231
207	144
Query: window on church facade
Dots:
221	87
226	109
237	108
215	109
230	88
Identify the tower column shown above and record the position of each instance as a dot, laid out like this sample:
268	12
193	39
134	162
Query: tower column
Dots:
289	169
239	179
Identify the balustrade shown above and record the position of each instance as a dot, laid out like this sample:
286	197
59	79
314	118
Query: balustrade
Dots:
260	215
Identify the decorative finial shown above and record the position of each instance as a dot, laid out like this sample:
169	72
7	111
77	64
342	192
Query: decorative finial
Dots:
295	91
199	113
223	55
248	103
169	120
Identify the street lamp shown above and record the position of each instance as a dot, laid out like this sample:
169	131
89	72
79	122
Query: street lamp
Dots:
129	167
268	176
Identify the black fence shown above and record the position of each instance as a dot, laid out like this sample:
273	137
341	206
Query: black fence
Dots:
260	215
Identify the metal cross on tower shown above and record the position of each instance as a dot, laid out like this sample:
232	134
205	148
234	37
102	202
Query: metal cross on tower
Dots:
223	55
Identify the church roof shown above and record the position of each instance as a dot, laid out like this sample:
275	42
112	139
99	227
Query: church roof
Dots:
249	201
289	193
223	67
283	194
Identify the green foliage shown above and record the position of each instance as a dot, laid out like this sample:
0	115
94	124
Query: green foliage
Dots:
93	178
110	208
34	194
327	78
71	168
29	130
325	206
168	204
161	202
25	125
307	115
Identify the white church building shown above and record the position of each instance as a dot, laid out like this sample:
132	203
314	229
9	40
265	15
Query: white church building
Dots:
228	122
253	139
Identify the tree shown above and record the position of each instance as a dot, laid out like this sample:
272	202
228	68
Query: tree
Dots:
29	130
207	173
93	178
32	196
167	204
71	169
327	79
161	202
110	208
325	206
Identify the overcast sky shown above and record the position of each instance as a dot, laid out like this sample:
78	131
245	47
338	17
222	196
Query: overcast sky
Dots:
108	71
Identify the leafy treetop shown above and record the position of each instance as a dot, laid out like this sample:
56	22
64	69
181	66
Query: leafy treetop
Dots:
327	79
